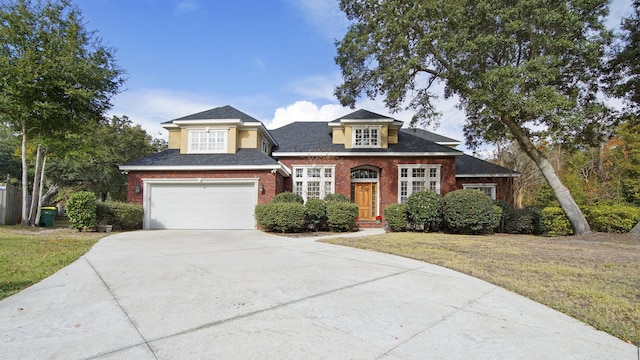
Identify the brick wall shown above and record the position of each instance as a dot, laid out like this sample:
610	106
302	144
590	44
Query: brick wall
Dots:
388	167
273	183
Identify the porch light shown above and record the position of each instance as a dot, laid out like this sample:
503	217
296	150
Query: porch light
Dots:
262	188
137	189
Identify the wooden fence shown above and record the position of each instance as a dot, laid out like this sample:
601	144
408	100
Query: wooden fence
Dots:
10	204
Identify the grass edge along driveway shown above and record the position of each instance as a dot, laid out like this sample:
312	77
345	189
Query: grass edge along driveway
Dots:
28	255
594	278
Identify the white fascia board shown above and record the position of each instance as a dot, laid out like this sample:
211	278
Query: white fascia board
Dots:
444	143
373	154
486	175
207	122
368	121
170	126
280	168
200	180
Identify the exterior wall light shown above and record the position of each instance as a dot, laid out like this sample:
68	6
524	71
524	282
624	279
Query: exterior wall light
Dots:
261	188
137	189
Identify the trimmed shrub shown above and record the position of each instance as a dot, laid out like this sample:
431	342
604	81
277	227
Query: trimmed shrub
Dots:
612	218
288	197
396	216
425	210
468	211
555	221
81	210
121	215
497	217
281	216
341	216
523	221
316	214
506	207
336	197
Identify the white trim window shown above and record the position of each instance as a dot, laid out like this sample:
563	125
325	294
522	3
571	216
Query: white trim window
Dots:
417	177
207	141
366	136
489	189
314	181
265	146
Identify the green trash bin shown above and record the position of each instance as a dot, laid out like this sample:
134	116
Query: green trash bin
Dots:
47	216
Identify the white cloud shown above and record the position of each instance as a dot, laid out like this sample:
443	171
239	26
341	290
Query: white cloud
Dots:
186	6
306	111
325	15
150	107
316	87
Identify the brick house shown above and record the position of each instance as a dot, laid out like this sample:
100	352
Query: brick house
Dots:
222	162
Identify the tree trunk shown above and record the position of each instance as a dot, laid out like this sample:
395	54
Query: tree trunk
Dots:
563	195
40	199
36	189
25	176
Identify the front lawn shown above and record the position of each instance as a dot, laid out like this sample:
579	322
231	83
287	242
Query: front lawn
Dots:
593	278
28	255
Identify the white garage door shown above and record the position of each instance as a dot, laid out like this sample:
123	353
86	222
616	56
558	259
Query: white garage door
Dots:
200	205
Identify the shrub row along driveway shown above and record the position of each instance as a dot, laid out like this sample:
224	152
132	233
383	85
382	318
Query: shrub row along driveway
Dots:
245	294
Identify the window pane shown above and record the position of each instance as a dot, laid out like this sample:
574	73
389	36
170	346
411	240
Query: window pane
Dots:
313	190
374	137
417	173
404	173
299	173
328	173
417	186
327	188
313	173
298	188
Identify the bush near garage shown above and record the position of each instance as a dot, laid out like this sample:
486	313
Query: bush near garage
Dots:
81	210
396	217
316	214
123	216
555	221
283	217
612	218
288	197
424	210
468	211
341	216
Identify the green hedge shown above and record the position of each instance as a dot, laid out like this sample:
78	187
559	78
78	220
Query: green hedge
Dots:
396	217
341	216
281	216
316	214
121	215
336	197
424	210
555	221
523	221
288	197
81	210
612	218
468	211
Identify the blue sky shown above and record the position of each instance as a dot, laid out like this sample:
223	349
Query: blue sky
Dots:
272	59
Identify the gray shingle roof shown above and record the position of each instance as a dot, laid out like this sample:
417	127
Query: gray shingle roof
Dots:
469	165
362	115
223	112
428	135
172	157
308	137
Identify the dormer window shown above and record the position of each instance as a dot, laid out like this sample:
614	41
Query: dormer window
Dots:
366	136
208	141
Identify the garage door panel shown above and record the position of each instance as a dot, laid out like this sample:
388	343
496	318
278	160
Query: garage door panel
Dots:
201	206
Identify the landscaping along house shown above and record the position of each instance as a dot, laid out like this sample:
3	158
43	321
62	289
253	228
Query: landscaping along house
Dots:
222	162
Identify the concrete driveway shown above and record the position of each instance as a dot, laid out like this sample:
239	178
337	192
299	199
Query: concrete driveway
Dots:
249	295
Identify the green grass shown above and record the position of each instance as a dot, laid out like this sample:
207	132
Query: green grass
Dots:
28	255
595	278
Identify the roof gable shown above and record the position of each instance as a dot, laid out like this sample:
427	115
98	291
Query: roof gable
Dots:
220	113
363	115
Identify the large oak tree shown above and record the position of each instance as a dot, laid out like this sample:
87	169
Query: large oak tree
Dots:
521	70
55	76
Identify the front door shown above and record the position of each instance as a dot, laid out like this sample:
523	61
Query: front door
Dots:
364	195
